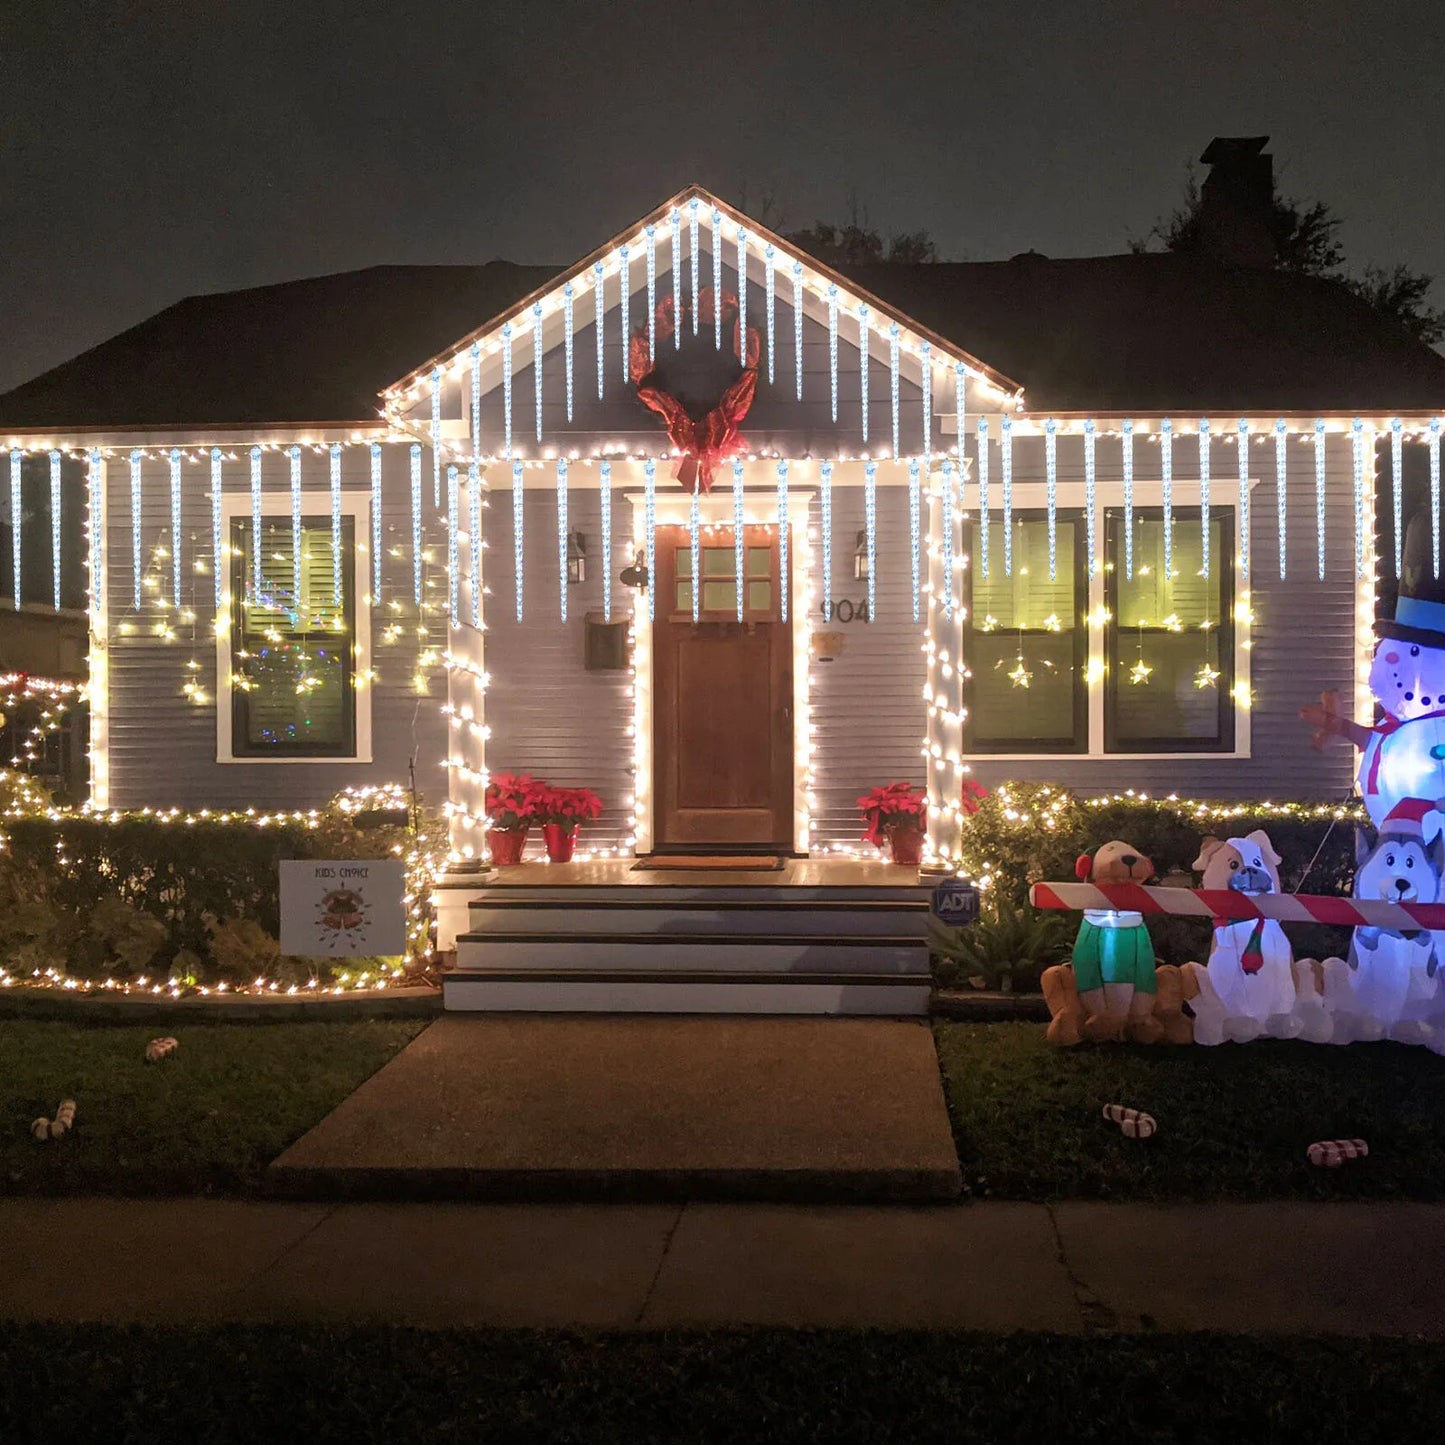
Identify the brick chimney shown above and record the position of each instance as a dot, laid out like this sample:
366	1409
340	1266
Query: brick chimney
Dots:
1236	201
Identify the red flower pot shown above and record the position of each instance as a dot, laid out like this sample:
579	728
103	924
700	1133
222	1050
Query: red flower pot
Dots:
506	845
560	841
906	845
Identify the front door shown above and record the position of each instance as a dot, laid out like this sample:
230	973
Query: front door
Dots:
722	695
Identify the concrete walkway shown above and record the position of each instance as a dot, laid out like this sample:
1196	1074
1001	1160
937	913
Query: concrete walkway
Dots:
1077	1268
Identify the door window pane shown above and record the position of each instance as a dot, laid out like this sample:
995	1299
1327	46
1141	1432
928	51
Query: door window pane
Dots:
1171	642
1025	643
760	561
291	652
718	562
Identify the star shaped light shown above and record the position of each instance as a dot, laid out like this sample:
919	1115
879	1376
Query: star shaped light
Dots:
1020	676
1206	676
1140	672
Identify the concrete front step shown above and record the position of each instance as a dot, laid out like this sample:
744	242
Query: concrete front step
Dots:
559	916
640	895
683	953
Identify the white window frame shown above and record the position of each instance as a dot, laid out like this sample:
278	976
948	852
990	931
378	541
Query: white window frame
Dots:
357	506
1029	499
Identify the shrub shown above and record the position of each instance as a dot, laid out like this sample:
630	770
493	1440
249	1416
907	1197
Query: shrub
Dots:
1009	947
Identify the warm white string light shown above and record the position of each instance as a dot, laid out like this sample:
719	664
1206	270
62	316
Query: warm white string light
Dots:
416	522
1320	497
518	520
1396	488
738	532
1051	503
294	453
17	518
947	511
893	330
1166	493
454	570
798	326
649	523
600	308
983	496
567	344
783	538
833	345
1126	447
1281	484
376	522
650	250
255	518
436	436
336	524
175	479
1090	470
562	533
694	527
914	540
1244	523
218	554
55	530
1006	482
770	288
825	525
474	539
604	487
870	533
1204	460
863	361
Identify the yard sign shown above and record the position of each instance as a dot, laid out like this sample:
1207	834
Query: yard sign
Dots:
342	908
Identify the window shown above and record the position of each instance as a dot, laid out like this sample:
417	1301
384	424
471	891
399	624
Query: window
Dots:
1027	643
718	566
292	687
1170	669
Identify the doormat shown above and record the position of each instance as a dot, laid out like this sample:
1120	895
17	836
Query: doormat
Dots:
708	863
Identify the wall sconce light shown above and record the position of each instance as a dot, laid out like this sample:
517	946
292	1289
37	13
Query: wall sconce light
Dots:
576	557
635	576
860	558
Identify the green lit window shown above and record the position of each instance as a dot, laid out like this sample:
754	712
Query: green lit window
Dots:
1026	644
719	581
292	692
1169	671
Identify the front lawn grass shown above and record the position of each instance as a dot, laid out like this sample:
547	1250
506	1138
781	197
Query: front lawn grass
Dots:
207	1119
82	1383
1234	1121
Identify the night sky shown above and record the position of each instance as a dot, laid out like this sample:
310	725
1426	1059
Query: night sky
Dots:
152	150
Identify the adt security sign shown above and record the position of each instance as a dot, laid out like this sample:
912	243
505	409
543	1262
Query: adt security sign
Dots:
955	903
343	908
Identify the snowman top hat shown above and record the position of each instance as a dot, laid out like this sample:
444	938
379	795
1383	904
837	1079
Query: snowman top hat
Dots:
1420	608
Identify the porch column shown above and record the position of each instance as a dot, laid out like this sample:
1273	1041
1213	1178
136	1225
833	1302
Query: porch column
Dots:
943	686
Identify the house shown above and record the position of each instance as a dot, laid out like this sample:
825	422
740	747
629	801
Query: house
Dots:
1107	521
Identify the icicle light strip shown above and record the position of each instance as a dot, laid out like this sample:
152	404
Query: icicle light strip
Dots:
1434	447
1281	484
798	325
738	532
376	524
893	382
1244	522
336	523
255	517
604	486
416	523
507	386
692	209
649	523
95	487
1204	460
825	525
17	519
599	302
926	383
1126	445
870	534
625	276
294	453
1357	448
1320	497
1396	500
1006	480
717	260
519	518
675	222
436	436
742	294
1091	434
651	249
476	378
454	558
55	530
863	366
568	346
218	548
1166	493
783	539
694	527
914	539
946	511
562	534
175	471
1051	493
537	365
960	383
833	344
770	284
474	539
983	496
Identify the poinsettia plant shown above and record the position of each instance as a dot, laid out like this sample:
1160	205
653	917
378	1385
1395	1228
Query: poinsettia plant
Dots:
893	807
568	807
513	801
973	794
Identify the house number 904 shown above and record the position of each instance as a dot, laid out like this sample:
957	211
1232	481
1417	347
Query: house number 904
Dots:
844	611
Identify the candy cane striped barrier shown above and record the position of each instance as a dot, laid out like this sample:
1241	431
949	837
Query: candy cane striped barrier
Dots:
1331	1153
1133	1123
1226	903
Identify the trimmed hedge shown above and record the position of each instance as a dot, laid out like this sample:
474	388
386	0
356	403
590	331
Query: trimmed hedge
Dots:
1026	833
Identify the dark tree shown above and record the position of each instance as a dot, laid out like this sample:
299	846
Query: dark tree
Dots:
860	244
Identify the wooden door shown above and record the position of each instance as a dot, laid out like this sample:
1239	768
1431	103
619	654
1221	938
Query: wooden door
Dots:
722	696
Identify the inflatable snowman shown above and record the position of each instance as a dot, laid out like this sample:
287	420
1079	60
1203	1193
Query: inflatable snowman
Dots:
1403	755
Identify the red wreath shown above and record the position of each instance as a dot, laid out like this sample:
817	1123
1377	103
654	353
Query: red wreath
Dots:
706	439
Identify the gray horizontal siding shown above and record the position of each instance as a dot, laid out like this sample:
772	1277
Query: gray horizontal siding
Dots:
162	747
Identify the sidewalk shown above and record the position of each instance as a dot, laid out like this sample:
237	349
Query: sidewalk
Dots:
1072	1267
